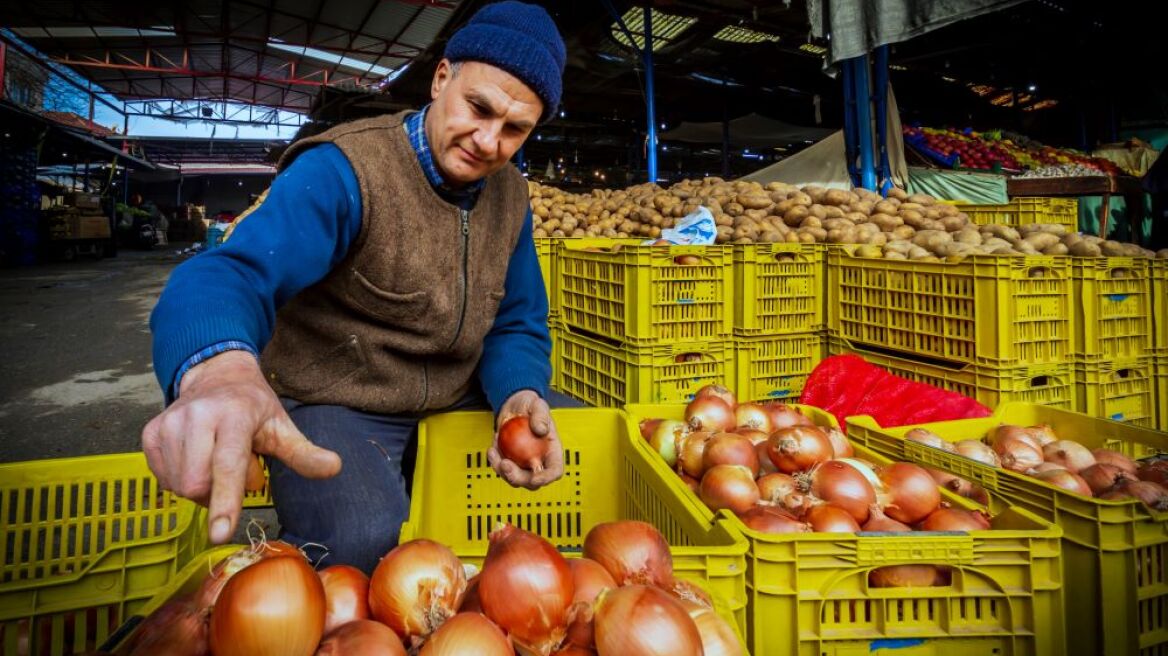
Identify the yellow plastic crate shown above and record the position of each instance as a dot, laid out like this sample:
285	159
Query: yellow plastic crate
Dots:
1049	384
984	310
609	375
1114	309
771	368
545	251
457	499
778	289
1121	391
1114	552
85	542
640	295
1160	371
1159	277
1026	210
808	593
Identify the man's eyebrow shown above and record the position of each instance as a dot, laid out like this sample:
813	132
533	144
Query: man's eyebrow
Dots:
480	99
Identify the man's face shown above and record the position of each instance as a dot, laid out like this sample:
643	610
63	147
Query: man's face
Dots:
479	118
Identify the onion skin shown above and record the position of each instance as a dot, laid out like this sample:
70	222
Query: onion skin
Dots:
798	448
775	488
644	621
179	628
718	392
1101	477
1067	480
978	451
1072	455
752	415
689	592
346	595
1045	467
1153	472
951	482
692	483
829	518
929	438
574	650
954	519
1151	494
784	416
773	521
415	588
525	588
1043	434
729	487
589	579
361	638
730	449
1006	432
518	444
632	552
718	637
840	446
709	414
910	493
839	483
689	457
1115	459
765	466
647	426
272	608
212	586
878	522
467	633
666	438
1018	454
470	600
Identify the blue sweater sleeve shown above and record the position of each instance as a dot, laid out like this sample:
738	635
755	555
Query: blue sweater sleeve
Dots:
292	240
517	350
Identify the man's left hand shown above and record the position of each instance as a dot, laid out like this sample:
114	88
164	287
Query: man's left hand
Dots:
527	402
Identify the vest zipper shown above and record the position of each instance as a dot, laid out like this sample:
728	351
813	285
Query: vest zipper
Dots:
465	259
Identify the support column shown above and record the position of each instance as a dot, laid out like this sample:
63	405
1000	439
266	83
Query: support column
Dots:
651	108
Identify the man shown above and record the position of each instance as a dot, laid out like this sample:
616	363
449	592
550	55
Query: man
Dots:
390	273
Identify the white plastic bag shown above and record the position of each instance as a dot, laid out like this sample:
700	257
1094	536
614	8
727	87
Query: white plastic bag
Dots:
696	229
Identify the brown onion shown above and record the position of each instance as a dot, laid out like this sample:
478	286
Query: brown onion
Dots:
765	466
840	446
693	447
709	413
691	593
1153	495
729	487
361	638
844	485
879	522
1101	477
979	451
179	628
798	448
520	445
730	449
775	488
1018	454
272	608
631	551
525	588
666	439
929	438
589	579
1043	434
910	494
1006	432
467	633
1067	480
904	576
718	637
346	595
785	416
415	588
647	426
692	483
950	482
955	519
773	521
1045	467
645	621
1115	459
1072	455
718	392
829	518
753	434
1155	471
574	650
470	600
753	415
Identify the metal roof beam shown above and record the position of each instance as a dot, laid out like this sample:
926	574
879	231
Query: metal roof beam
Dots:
131	65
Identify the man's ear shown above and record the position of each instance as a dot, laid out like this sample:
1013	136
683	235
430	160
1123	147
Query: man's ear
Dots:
442	76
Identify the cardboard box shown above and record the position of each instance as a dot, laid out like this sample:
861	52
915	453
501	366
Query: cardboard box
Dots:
86	201
88	227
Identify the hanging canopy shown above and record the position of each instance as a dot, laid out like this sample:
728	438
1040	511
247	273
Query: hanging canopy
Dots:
750	130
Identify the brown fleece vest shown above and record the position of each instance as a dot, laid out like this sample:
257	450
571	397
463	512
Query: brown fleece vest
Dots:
398	326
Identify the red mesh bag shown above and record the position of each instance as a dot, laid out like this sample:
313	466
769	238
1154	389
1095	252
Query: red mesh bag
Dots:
847	385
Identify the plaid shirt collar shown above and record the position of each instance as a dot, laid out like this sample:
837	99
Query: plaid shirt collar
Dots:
415	125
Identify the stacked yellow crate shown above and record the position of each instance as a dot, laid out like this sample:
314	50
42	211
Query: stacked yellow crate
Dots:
1159	287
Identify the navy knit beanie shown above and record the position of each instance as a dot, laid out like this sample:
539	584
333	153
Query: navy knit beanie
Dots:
519	38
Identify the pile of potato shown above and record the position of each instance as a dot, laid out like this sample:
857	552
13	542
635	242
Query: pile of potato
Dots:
901	226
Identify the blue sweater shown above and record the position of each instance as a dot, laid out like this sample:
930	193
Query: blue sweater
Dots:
227	298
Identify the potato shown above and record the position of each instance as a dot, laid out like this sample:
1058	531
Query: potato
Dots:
878	239
794	216
1058	248
801	198
886	222
897	193
539	232
806	237
915	207
836	197
898	246
922	199
953	223
1111	248
948	210
968	235
932	213
819	234
894	255
811	222
1162	254
1002	231
841	236
734	209
838	224
886	207
869	250
757	201
724	234
723	219
1041	240
1052	228
757	215
770	237
781	208
931	239
863	207
903	232
818	211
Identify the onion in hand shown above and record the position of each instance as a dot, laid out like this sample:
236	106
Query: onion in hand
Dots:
518	444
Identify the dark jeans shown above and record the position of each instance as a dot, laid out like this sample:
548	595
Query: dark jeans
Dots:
356	515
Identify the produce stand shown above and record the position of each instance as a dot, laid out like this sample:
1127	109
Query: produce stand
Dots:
1104	186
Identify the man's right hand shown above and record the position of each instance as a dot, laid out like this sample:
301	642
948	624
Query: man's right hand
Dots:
201	446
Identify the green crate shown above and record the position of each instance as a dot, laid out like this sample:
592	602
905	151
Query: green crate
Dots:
604	374
86	542
1026	210
1050	384
1114	552
457	499
772	368
984	310
1121	391
778	289
640	295
1114	309
808	593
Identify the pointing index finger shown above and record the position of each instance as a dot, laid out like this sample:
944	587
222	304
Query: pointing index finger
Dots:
228	476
